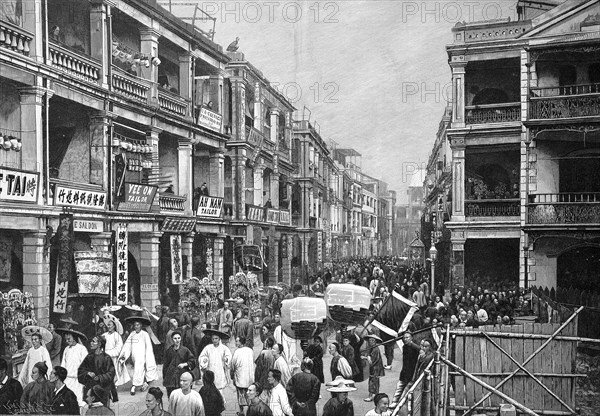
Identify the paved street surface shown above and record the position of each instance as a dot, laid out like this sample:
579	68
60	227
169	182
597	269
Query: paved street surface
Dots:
134	405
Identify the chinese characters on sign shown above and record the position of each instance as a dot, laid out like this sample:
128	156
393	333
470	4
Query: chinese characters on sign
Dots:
61	289
70	197
209	207
319	246
18	186
94	271
176	266
121	247
210	119
65	247
138	198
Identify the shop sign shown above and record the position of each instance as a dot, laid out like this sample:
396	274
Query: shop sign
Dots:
88	226
18	186
254	213
176	266
122	251
94	272
210	119
149	287
178	225
273	216
65	247
61	289
319	246
284	217
78	198
138	197
210	207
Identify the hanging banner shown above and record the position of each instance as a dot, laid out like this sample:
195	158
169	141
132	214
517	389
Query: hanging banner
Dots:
121	248
18	186
319	246
65	247
78	198
94	272
61	289
176	263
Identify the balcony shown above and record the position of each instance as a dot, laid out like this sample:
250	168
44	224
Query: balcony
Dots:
485	31
492	208
228	210
172	103
296	220
130	86
564	208
255	213
173	203
492	113
15	38
571	101
73	63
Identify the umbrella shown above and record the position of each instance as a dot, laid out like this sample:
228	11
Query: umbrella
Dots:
30	330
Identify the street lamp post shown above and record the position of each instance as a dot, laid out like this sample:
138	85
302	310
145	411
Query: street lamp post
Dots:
432	256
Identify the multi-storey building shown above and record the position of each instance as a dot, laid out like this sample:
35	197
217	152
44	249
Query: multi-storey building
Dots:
258	170
103	105
524	138
408	213
385	219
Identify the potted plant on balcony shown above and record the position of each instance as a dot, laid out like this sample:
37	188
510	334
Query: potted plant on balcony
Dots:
480	189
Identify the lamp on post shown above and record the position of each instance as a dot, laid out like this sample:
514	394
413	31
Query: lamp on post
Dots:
432	255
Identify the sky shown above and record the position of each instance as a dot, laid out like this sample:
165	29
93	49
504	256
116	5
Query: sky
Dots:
374	74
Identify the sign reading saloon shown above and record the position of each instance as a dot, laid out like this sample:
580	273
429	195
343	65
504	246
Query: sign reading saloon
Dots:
18	186
138	197
209	207
210	119
77	198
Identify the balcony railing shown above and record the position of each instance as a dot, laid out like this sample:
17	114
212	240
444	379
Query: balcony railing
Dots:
228	210
492	113
172	103
15	38
131	87
170	202
564	208
565	102
492	208
296	220
74	63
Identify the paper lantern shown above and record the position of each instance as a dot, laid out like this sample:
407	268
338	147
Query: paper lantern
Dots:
347	304
302	317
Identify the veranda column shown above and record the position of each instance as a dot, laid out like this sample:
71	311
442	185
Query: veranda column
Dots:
36	273
149	266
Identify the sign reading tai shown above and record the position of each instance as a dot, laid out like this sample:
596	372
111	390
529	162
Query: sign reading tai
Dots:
18	186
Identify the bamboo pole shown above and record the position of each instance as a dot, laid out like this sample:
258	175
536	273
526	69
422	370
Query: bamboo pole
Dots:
436	386
426	397
526	371
454	373
523	336
540	348
446	391
490	388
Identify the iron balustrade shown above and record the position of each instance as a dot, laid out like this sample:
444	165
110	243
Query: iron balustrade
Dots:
567	101
493	208
492	113
130	86
564	208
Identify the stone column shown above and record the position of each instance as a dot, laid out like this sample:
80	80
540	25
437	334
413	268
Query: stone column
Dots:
238	163
218	259
259	117
274	259
217	174
187	243
458	179
185	76
150	266
184	171
258	184
238	115
36	273
32	152
149	47
458	66
99	148
286	266
99	38
32	10
274	119
275	189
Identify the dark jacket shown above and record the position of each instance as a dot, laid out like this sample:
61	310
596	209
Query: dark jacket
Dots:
65	402
303	390
410	356
10	396
101	365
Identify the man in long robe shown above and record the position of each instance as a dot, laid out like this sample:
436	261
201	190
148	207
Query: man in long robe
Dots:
242	370
139	347
185	401
303	390
256	406
216	357
73	356
243	327
10	390
54	346
35	354
114	344
290	346
281	364
177	360
225	319
98	368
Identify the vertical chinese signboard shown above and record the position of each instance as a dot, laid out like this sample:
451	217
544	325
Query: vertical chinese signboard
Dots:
121	247
61	290
319	246
176	263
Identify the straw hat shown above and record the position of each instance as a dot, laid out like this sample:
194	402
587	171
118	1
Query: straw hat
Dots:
109	317
220	334
76	334
30	330
375	337
341	385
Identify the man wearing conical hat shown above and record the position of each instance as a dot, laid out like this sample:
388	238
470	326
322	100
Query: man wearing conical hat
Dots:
217	358
73	356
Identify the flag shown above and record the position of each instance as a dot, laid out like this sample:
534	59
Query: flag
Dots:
394	316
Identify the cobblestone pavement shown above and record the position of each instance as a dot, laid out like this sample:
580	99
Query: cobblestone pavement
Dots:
134	405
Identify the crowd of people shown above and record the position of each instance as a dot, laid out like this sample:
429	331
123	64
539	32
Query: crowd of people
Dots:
61	376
